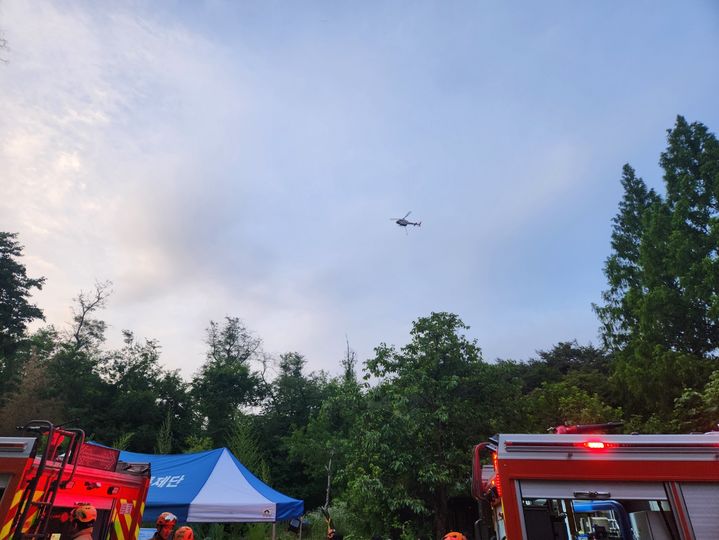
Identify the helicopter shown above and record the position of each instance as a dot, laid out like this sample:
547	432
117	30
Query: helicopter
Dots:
403	222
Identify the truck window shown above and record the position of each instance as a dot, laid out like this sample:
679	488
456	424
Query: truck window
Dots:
611	511
4	481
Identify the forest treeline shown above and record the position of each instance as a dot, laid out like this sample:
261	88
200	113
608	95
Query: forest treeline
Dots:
398	428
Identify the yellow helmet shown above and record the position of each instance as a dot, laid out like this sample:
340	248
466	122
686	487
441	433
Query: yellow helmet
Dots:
84	513
184	533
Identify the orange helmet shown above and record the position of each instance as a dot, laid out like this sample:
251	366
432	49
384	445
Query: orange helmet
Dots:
184	533
84	513
166	518
454	536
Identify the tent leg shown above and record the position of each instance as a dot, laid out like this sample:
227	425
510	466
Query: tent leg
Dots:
300	536
274	530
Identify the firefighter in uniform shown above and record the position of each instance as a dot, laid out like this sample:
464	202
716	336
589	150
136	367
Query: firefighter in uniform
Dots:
184	533
82	521
165	523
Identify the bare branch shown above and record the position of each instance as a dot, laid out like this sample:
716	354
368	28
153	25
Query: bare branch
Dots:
84	330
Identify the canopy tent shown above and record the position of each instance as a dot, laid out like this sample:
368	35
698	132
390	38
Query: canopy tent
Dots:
210	487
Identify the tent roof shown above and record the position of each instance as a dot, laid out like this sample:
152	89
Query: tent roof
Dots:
211	486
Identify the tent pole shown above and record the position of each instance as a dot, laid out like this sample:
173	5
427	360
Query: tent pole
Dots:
301	520
274	530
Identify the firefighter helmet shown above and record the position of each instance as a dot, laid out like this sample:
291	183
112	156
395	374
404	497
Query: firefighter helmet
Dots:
454	536
84	513
166	518
184	533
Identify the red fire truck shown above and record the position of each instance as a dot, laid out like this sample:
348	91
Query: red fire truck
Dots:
589	486
44	476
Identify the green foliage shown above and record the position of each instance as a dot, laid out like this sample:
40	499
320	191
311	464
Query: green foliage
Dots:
242	442
15	310
623	268
226	382
561	403
330	431
292	399
164	436
196	443
649	379
661	310
123	441
698	410
419	427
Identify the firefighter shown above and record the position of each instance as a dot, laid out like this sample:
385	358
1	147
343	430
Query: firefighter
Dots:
454	536
184	533
165	523
82	521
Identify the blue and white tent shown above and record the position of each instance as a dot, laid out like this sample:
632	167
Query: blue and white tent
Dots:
208	487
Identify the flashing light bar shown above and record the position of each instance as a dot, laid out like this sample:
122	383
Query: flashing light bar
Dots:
497	479
594	444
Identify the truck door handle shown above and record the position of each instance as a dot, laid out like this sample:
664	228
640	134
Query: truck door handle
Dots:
592	494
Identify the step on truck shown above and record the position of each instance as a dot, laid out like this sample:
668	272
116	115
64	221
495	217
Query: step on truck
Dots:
46	474
579	485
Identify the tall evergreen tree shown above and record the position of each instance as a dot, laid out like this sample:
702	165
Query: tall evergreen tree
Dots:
16	311
623	269
661	310
663	272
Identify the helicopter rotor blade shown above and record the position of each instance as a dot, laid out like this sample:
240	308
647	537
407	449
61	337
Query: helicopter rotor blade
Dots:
408	213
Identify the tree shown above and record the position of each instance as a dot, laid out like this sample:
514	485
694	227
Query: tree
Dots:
661	310
560	403
133	379
16	311
73	368
293	398
618	315
244	445
226	382
663	273
28	400
422	419
584	366
328	434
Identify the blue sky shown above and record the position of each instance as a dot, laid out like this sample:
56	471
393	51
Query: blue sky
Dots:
244	159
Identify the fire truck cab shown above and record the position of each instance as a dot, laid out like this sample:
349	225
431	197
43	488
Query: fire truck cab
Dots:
596	487
43	477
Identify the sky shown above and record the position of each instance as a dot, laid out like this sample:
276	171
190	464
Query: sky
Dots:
244	159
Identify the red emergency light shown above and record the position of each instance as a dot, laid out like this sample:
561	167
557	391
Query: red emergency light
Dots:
594	445
597	445
497	480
